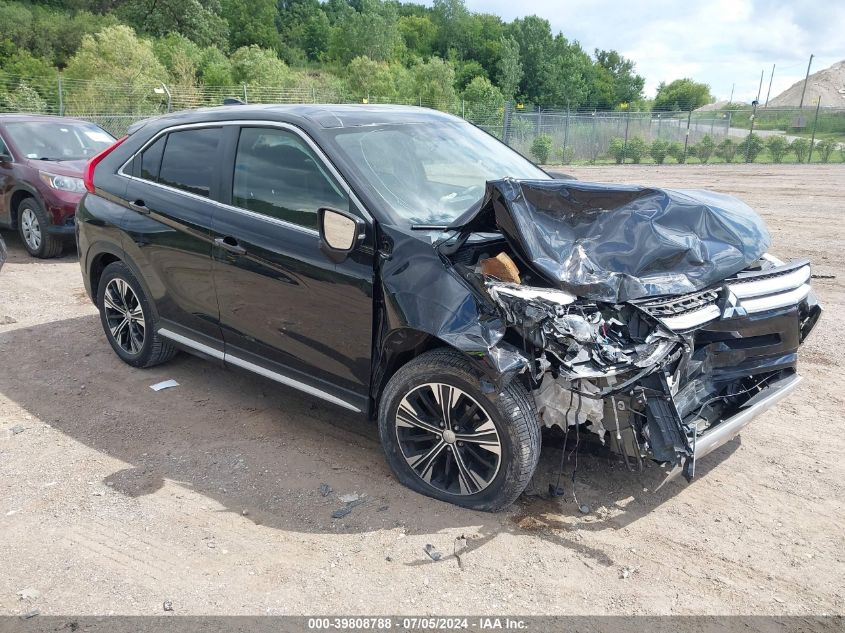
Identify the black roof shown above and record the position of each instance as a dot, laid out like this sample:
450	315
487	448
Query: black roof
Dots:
307	115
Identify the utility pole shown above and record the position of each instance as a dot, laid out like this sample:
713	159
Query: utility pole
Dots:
815	123
801	105
768	94
731	100
760	87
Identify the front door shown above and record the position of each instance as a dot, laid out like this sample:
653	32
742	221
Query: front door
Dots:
284	305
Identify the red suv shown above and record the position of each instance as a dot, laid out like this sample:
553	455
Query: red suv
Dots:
42	159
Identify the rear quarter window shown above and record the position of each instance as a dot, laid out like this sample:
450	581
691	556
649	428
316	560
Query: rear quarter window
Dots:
188	161
151	159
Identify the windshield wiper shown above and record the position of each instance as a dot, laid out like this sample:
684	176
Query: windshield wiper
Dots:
429	227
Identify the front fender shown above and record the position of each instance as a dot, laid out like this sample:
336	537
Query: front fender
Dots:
422	292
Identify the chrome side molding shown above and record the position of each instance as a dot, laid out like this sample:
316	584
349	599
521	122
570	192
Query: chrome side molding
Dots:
256	369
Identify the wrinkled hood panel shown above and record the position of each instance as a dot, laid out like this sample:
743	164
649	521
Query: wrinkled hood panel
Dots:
616	243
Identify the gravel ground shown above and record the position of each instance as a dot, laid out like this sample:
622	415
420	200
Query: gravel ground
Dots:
115	498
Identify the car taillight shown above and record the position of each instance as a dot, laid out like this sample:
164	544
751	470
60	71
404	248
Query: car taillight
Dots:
88	178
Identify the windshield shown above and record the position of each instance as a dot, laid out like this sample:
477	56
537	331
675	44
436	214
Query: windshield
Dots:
433	172
46	140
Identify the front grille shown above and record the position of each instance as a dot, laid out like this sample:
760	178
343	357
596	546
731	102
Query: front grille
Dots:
745	293
676	306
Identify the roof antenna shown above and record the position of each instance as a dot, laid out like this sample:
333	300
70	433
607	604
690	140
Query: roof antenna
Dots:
232	101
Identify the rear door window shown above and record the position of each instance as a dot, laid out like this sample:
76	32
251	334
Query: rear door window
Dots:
189	160
278	175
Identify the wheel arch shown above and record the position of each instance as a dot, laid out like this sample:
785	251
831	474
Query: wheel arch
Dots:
16	197
99	257
401	346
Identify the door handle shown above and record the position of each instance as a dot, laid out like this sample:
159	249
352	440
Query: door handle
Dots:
140	207
230	244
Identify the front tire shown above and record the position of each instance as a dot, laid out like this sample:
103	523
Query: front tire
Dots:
33	223
447	439
128	320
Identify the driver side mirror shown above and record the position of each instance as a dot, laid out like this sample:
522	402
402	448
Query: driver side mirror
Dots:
339	233
5	157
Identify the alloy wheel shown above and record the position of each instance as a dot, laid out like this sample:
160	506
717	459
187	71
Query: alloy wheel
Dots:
448	439
31	229
124	316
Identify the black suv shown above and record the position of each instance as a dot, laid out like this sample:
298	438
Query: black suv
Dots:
403	264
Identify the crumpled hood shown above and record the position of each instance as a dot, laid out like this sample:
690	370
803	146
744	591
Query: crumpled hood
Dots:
618	243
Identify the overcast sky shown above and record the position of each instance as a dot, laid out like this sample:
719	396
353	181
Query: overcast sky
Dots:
719	42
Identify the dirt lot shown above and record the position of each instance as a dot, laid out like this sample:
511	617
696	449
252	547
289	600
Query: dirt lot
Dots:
114	498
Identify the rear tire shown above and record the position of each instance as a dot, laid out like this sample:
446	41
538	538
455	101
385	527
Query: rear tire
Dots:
33	222
479	451
128	319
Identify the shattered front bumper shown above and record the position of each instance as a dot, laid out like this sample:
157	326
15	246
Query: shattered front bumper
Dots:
740	361
729	428
697	367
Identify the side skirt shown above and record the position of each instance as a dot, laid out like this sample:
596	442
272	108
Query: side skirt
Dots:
208	351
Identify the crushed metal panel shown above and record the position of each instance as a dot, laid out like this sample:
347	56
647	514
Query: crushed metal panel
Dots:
616	243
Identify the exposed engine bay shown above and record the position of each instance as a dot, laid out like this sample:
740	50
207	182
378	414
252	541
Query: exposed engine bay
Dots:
661	375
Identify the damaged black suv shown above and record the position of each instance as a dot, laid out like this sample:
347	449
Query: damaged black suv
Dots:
405	265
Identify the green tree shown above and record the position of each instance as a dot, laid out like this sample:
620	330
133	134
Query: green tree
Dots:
825	149
541	147
117	57
676	151
258	67
52	33
751	147
452	20
25	98
466	71
198	20
616	149
533	36
726	150
566	155
251	22
434	82
419	33
304	28
681	94
801	147
659	151
509	68
483	102
373	31
704	149
636	149
627	85
778	146
368	78
38	73
215	68
569	75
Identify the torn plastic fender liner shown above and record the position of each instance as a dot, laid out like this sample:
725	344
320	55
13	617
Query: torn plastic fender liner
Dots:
422	291
615	243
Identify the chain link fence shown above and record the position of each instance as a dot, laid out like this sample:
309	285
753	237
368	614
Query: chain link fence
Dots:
547	135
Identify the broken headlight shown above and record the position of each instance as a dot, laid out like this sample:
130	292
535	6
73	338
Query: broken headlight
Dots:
582	339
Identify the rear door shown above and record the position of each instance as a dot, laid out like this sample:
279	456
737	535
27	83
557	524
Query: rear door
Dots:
172	197
284	306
